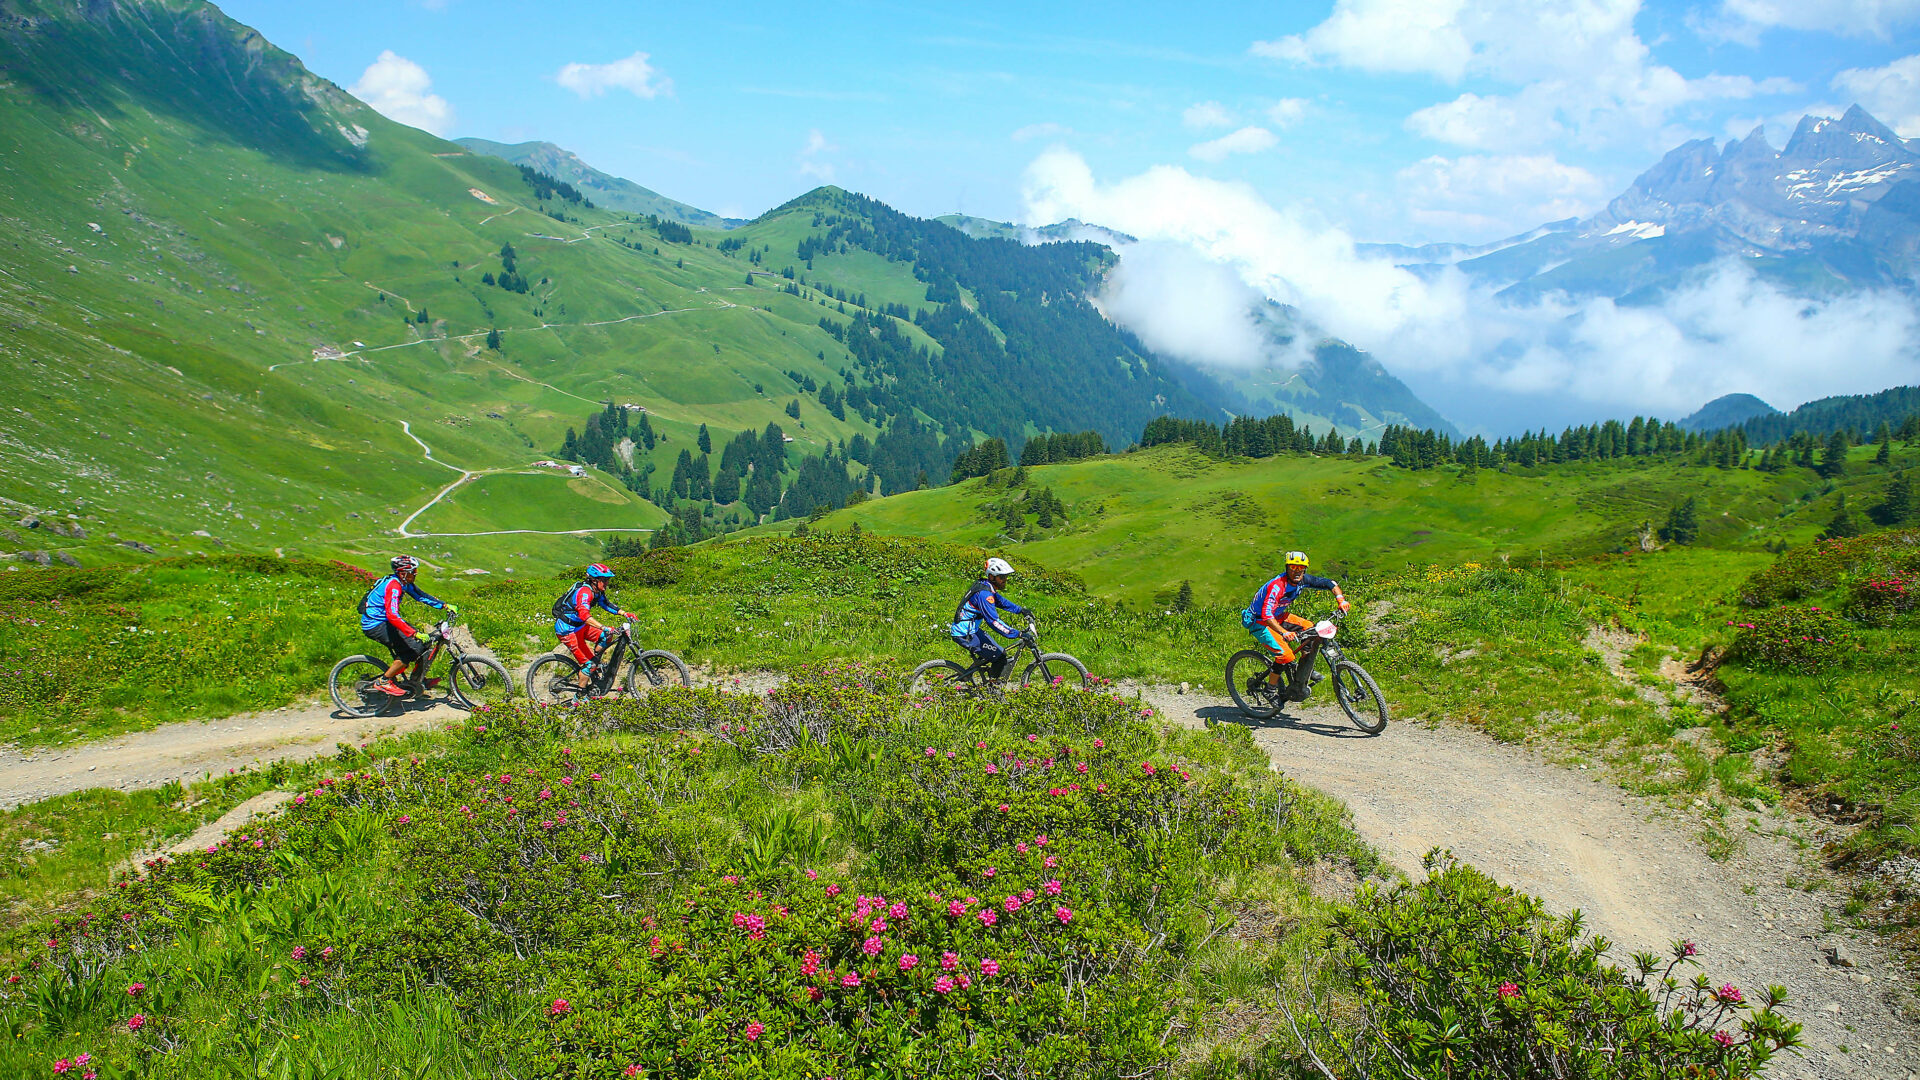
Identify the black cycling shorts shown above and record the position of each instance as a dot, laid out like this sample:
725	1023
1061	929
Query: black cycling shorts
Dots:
400	646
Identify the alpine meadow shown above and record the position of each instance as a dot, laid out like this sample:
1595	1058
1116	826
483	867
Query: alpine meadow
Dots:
1214	553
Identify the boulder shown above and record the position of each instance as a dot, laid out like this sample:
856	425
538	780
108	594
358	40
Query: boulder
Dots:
40	557
137	546
67	559
77	532
29	522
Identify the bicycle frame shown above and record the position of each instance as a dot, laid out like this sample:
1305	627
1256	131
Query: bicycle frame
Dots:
979	666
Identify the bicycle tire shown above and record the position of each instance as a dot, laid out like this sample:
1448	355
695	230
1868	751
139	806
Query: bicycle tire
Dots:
656	668
1353	700
1038	674
937	675
550	680
1244	668
349	684
479	682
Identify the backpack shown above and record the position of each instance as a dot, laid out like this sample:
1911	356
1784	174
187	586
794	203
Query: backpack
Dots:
563	607
361	608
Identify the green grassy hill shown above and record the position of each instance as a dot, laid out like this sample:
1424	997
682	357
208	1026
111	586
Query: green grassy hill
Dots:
1138	524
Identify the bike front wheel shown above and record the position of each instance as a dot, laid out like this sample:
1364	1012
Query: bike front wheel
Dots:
1056	668
1247	672
936	675
1359	698
550	681
656	668
351	685
477	682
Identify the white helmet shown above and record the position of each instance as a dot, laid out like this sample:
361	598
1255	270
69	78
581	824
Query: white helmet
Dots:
998	568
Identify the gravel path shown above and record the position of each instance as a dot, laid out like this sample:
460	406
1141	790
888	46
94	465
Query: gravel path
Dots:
1635	868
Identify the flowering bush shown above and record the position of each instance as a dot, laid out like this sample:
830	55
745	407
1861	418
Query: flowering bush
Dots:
1877	599
1459	976
1811	570
1796	639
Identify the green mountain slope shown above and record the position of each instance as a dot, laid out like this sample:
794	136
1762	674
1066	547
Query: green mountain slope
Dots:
612	192
238	302
1727	410
1136	525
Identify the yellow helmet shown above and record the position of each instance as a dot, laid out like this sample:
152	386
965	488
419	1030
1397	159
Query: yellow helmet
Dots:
1296	558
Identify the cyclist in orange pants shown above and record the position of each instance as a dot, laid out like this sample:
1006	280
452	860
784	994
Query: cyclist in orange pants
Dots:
1269	619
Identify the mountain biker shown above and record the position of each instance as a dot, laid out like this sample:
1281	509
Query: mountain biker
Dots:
574	623
1268	617
380	619
979	610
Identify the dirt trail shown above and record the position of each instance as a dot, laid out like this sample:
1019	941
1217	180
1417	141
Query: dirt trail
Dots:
189	751
1637	870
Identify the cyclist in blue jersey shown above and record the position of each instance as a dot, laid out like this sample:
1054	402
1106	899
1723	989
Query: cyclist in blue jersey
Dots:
380	619
980	610
573	621
1269	618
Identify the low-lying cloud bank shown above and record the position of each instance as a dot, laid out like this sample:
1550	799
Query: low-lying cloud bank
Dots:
1210	251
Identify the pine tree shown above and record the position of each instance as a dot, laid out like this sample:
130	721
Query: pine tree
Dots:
704	440
1885	438
1844	523
1899	507
1833	460
493	340
1683	522
1183	600
793	408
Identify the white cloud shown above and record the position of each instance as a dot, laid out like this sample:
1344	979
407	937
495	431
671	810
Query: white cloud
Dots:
1287	112
1248	140
633	74
1891	93
398	89
1183	304
812	157
1742	20
1579	66
1728	331
1478	194
1206	114
1046	130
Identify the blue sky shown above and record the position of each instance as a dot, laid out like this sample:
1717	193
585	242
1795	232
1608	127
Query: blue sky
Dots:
1390	119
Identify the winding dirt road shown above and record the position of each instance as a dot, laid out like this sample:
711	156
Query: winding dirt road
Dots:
1635	868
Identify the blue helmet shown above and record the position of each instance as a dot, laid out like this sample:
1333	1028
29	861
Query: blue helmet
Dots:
599	570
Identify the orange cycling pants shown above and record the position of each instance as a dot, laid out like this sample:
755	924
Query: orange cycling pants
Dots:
1265	636
581	642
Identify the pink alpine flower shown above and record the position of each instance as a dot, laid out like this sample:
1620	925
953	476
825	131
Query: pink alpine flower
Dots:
871	946
897	912
1065	915
1011	903
1723	1038
943	984
753	1030
1052	887
136	989
949	961
299	952
989	967
1688	948
908	962
1508	990
560	1007
850	979
955	909
987	916
136	1021
1730	994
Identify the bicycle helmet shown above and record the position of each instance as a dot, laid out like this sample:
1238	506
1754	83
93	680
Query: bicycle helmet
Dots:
1297	558
599	570
404	562
998	568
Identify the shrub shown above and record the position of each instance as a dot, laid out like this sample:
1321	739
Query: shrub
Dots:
1459	976
1795	639
1811	570
1878	599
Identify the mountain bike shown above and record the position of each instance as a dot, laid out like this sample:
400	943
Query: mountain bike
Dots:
1046	669
469	679
553	678
1353	688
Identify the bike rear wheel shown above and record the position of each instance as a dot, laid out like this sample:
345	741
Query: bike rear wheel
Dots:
1056	666
1247	682
936	675
550	681
656	668
1359	698
477	682
351	686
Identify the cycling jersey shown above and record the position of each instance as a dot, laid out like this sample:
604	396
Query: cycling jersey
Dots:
382	604
580	604
982	606
1276	596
